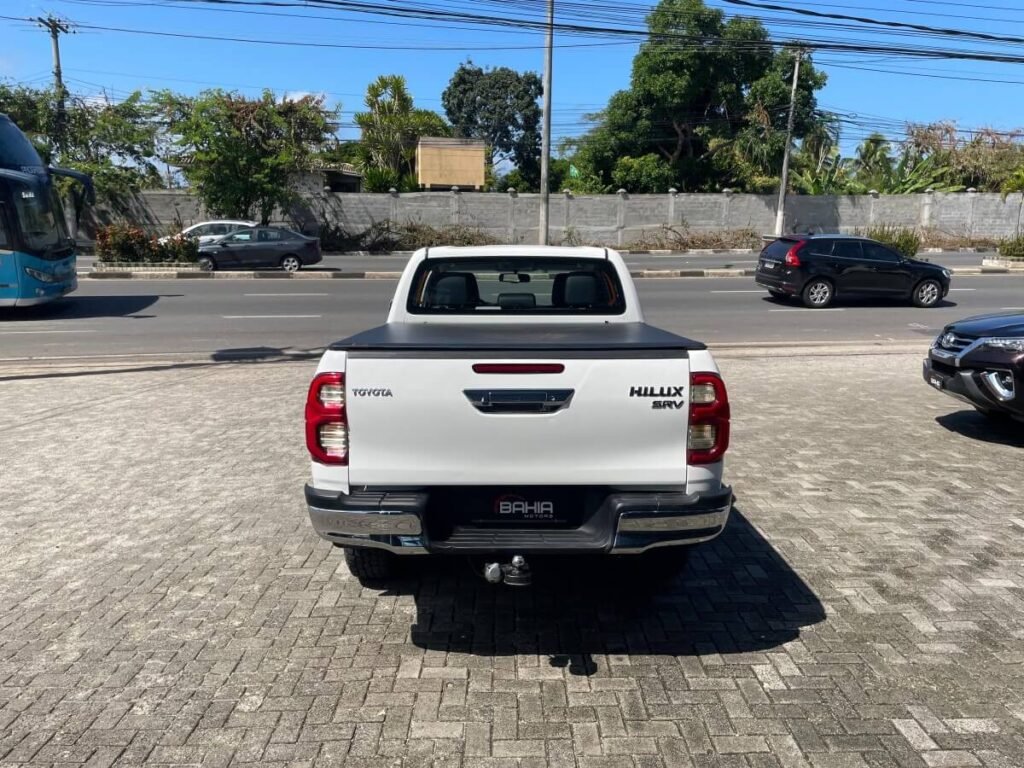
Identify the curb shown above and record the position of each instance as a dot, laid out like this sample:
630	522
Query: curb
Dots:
640	274
636	274
126	363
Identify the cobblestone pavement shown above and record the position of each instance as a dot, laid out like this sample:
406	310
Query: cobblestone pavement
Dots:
164	601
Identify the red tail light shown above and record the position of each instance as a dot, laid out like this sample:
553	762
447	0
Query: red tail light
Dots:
326	420
793	254
708	439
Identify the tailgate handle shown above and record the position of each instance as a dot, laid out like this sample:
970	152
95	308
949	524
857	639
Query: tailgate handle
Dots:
519	400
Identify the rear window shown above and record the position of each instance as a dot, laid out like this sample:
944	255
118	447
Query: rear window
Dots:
497	285
779	248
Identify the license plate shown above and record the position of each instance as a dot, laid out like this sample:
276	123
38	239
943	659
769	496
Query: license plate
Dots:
767	265
935	381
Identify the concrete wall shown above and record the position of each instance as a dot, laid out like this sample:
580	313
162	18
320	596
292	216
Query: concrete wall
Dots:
615	220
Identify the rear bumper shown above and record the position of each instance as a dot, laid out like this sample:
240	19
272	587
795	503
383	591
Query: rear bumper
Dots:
775	283
626	523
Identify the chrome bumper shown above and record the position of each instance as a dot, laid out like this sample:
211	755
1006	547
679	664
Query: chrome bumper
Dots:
627	523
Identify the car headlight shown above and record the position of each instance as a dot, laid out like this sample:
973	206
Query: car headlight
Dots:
1010	345
947	274
42	277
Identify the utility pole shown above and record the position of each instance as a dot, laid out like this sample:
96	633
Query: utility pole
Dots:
545	152
780	212
56	27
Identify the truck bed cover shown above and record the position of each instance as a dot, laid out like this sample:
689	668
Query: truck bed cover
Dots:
536	338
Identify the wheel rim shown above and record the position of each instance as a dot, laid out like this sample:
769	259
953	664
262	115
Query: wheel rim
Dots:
928	293
206	264
819	293
290	264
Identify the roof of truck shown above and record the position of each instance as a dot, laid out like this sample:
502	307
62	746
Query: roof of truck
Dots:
531	251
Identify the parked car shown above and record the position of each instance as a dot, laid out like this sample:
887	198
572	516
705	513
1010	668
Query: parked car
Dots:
260	248
515	404
208	231
817	269
980	361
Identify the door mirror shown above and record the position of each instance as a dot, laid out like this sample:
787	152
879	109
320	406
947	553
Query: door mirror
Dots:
223	243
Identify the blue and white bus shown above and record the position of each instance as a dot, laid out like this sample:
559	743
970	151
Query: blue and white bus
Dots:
37	256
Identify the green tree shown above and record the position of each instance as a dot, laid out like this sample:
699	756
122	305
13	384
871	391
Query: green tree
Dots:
499	106
874	163
715	112
241	155
391	126
115	143
650	173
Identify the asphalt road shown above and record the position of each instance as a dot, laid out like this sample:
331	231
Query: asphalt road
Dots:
353	263
225	318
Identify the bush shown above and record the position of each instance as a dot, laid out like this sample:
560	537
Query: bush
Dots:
902	239
1012	248
681	238
122	242
412	236
177	249
127	244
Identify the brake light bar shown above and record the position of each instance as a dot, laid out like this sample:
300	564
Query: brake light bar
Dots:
518	368
708	439
326	419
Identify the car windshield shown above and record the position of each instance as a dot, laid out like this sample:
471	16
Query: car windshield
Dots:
41	218
518	285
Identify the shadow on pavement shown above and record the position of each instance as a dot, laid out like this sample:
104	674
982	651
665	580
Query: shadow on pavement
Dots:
245	355
857	302
83	307
264	355
737	595
978	427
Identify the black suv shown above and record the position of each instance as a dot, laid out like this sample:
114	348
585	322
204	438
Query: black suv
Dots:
817	268
980	360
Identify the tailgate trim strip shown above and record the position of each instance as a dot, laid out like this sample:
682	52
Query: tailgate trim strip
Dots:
519	354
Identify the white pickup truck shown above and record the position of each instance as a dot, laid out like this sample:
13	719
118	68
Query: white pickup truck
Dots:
515	404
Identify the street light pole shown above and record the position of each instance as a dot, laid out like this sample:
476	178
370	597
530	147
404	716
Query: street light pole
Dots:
780	211
545	152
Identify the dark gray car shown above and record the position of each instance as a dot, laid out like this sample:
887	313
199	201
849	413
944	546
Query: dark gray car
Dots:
260	248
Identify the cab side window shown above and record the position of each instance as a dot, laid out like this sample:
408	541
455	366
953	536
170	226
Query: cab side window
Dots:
5	241
876	252
847	249
819	247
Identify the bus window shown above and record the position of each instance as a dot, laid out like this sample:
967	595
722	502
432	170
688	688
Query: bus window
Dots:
5	241
41	217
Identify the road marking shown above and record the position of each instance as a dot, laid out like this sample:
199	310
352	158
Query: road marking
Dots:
288	294
962	289
1020	308
15	333
271	317
807	310
762	291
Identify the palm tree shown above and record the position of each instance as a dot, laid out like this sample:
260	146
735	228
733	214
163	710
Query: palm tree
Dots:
874	162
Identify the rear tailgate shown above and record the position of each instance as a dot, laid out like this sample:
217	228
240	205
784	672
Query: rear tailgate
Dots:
608	418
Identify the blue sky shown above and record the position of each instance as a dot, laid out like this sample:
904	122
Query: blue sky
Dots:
587	68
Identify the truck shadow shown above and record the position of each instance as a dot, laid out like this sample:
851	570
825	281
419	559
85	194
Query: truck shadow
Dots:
973	425
737	595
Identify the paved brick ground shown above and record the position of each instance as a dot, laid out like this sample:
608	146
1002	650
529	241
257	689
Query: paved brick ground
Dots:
162	599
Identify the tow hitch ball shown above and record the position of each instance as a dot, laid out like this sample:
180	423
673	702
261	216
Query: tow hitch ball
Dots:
515	574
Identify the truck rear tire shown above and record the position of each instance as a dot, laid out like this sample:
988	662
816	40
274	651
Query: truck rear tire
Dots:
369	565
